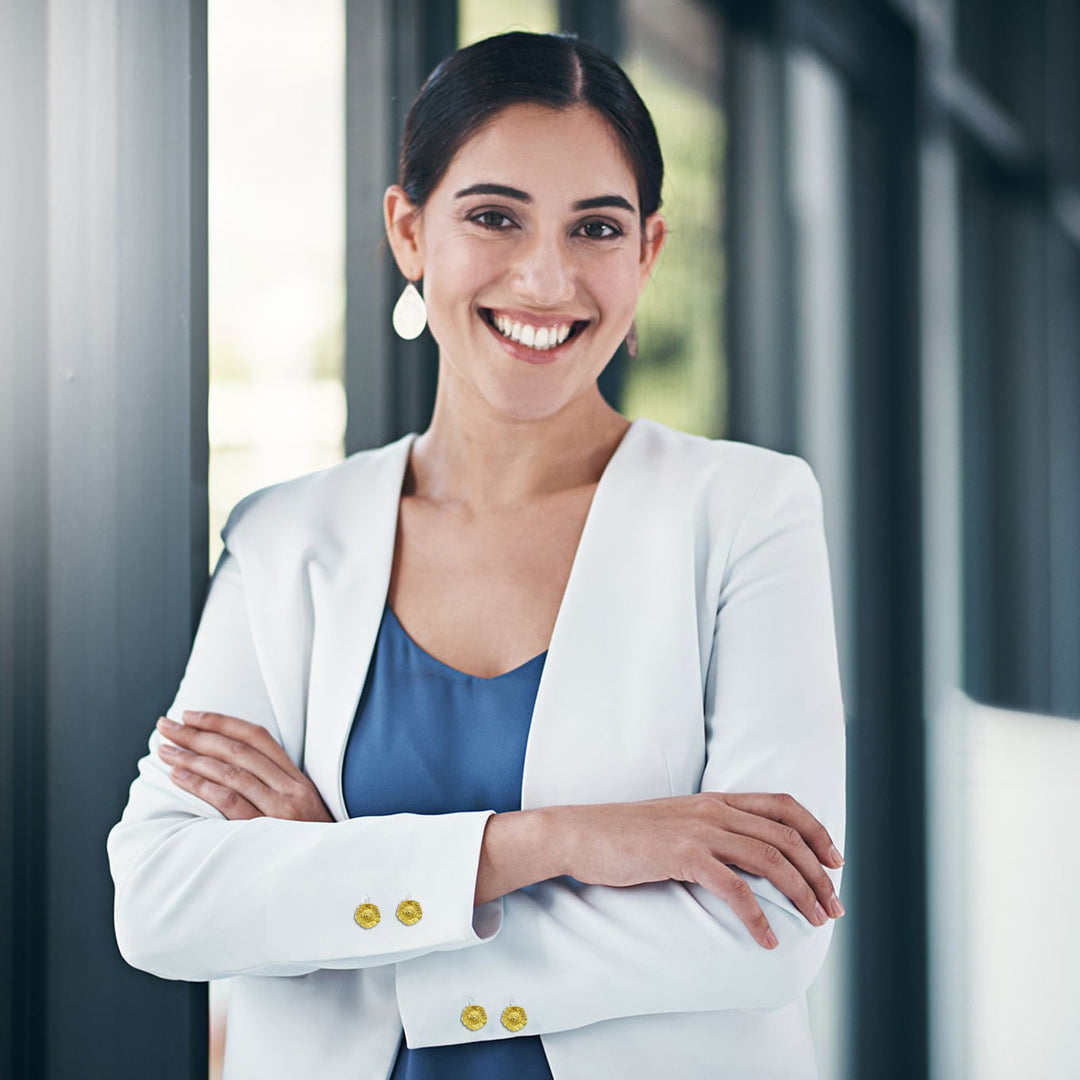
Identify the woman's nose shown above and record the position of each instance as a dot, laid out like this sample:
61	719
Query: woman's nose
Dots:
543	274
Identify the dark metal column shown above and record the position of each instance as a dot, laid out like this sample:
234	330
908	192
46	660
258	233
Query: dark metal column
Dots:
761	298
390	49
103	515
23	465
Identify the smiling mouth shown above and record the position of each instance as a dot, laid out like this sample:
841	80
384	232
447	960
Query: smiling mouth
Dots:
538	338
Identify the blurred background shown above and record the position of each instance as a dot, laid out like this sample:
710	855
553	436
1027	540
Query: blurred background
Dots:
874	262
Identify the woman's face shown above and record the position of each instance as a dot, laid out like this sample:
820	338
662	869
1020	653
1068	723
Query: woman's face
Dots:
533	256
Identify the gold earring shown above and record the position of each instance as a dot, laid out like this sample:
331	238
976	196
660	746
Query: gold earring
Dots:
410	313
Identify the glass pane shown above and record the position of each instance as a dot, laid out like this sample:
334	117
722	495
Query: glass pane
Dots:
673	54
276	201
276	193
478	19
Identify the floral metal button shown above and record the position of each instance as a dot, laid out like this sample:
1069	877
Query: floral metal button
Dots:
474	1017
367	915
514	1018
409	912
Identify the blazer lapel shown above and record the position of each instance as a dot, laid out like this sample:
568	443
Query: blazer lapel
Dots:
350	579
621	670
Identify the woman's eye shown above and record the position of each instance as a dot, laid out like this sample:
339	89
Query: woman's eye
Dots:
493	219
600	230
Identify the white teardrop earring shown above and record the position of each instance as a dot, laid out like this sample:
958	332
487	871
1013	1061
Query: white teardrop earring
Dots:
410	313
631	341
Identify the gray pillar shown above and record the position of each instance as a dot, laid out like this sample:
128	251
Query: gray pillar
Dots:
760	318
103	510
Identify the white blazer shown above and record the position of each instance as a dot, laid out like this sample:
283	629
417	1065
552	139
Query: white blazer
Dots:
694	650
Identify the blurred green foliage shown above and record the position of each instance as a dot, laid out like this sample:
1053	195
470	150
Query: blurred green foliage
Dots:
478	19
680	374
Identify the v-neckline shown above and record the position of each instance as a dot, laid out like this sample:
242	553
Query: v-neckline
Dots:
417	647
609	466
353	593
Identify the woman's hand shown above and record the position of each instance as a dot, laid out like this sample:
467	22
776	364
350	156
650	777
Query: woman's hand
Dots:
698	838
239	768
694	838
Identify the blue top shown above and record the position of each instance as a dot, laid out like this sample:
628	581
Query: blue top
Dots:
429	739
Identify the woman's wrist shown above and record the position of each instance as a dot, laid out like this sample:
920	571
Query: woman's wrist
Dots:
519	848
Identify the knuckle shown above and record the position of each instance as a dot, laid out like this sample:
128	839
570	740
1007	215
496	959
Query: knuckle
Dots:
772	855
790	835
231	802
739	889
691	852
232	773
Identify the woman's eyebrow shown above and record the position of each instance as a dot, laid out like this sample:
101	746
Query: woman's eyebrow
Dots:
616	201
494	189
507	192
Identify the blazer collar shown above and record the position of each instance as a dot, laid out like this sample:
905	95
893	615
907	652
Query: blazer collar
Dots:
350	579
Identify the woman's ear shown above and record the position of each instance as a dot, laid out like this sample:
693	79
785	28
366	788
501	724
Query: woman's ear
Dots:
653	235
403	222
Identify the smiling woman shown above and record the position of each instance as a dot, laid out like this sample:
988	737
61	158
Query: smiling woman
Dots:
523	262
535	712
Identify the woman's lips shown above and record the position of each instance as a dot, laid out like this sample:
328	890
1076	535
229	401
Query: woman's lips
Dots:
533	339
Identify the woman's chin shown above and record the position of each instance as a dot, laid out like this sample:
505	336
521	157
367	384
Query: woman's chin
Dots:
532	408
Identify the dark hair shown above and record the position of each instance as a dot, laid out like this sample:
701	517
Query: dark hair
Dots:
471	86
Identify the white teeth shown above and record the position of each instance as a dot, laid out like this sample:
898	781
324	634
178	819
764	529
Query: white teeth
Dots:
533	337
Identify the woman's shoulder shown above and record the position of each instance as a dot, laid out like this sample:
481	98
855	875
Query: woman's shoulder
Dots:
718	467
315	502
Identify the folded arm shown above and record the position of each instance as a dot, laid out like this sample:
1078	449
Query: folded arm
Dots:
201	897
572	954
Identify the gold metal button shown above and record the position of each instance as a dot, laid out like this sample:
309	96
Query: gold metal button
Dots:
474	1017
409	912
367	915
514	1018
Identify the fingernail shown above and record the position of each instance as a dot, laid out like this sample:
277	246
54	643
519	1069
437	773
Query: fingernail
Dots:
181	774
771	939
168	725
835	855
836	907
819	915
190	714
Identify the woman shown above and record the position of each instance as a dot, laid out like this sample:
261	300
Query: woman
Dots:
523	747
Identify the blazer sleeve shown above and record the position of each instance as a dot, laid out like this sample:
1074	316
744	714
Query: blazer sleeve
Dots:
200	897
572	954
